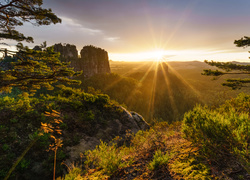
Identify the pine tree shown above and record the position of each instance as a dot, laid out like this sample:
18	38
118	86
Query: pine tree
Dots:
15	12
30	68
34	69
231	68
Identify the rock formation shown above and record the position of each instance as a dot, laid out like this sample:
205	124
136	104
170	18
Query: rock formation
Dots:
131	121
94	61
68	52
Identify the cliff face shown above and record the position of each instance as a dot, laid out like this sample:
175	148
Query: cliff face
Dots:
68	52
94	61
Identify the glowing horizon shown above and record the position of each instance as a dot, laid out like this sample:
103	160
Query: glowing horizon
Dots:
161	54
134	30
181	55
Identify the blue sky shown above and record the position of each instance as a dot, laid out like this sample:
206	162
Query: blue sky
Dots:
185	29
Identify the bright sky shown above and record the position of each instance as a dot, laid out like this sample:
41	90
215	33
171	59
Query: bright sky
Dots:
147	29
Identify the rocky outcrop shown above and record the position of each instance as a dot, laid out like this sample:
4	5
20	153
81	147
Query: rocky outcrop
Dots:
68	52
128	121
87	119
93	61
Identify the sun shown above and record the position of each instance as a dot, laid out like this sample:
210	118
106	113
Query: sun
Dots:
158	54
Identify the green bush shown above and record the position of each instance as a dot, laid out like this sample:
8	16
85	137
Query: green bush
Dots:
74	174
226	129
159	159
108	158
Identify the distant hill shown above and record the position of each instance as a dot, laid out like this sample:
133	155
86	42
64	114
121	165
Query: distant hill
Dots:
211	91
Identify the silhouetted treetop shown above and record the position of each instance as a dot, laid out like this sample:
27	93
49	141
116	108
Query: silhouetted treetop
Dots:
243	42
231	68
29	69
15	12
32	69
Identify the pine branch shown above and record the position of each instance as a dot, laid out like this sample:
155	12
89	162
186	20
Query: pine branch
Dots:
33	69
243	42
228	66
17	11
209	72
8	5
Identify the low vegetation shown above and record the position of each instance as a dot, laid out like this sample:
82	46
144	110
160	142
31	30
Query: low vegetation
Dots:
21	119
210	142
207	144
204	143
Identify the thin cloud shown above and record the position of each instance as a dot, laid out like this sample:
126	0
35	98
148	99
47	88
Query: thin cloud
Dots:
134	26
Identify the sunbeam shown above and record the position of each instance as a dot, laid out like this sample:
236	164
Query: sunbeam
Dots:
151	104
169	89
141	80
197	93
125	74
135	69
145	75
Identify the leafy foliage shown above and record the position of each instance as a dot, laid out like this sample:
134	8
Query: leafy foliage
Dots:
191	166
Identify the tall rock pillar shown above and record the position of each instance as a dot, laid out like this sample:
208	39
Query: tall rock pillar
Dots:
94	60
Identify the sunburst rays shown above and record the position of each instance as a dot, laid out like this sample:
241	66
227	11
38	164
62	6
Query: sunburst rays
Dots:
151	67
150	112
169	89
194	91
158	76
125	74
159	44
